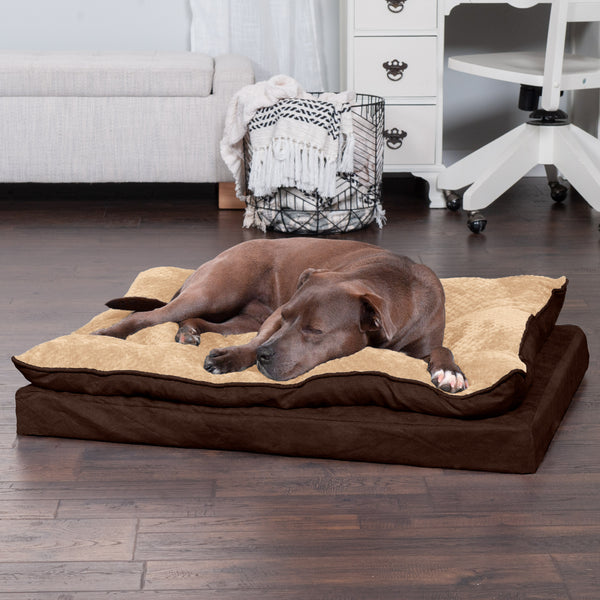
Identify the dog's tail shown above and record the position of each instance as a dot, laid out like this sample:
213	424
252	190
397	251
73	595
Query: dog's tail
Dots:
135	303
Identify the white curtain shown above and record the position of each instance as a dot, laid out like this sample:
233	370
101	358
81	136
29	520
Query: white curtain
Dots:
292	37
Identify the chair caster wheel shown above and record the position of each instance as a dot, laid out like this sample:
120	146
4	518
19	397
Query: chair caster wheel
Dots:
558	192
476	222
453	200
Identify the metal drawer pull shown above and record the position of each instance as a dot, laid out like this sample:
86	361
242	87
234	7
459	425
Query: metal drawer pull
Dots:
395	6
395	69
394	138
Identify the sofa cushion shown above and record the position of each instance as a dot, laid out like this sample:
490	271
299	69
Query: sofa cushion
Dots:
105	74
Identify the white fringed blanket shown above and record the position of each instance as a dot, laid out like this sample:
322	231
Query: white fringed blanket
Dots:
302	143
297	140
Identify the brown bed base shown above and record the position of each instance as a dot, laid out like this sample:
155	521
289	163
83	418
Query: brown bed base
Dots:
513	442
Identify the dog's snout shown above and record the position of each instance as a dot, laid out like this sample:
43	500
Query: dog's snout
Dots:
264	354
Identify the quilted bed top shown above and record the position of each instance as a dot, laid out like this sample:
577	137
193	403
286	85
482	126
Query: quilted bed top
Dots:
494	327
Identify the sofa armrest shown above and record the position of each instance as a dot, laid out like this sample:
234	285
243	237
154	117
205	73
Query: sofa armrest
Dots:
232	72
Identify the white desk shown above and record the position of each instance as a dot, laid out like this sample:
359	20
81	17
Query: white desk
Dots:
395	49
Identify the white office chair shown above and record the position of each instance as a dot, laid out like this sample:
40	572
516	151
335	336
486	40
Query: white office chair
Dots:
547	138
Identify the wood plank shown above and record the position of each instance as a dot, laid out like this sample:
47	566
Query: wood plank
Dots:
114	462
67	540
383	570
266	506
463	591
43	459
156	595
28	509
134	508
509	493
8	436
300	484
581	573
105	490
65	576
270	540
202	525
433	518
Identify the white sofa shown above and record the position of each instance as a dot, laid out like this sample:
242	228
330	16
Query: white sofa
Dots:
115	117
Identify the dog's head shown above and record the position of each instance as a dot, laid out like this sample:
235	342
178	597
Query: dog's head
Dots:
328	317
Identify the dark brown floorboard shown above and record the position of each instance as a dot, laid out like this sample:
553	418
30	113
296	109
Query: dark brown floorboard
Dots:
93	521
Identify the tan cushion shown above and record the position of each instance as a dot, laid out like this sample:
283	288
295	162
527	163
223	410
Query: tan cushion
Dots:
494	327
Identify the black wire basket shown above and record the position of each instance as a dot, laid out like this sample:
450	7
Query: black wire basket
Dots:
357	201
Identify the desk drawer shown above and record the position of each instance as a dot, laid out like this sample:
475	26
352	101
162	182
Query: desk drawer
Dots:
410	66
410	134
382	15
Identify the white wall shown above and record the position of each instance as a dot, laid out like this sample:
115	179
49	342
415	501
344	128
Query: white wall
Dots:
121	25
94	25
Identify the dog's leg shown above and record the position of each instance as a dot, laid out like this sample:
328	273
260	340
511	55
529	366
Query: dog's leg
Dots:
238	358
131	323
190	329
251	318
179	309
202	300
445	373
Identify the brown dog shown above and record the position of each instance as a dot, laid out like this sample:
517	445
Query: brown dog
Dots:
311	300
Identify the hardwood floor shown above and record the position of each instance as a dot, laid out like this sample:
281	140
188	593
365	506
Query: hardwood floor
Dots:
91	521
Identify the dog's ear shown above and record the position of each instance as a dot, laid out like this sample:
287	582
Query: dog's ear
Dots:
305	275
375	315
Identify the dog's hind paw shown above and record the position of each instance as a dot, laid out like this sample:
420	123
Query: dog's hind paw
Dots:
187	335
449	381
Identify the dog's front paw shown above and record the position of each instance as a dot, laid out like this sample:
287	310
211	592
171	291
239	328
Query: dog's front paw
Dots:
226	360
449	380
187	335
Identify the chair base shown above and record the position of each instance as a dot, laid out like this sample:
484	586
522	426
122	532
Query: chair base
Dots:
493	169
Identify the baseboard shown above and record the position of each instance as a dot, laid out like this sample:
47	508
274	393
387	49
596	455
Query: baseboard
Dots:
227	198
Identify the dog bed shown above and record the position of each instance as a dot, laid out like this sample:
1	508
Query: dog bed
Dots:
376	405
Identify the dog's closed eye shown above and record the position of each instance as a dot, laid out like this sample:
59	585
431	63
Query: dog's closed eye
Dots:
312	330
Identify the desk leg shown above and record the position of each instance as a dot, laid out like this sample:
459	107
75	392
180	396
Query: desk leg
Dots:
436	196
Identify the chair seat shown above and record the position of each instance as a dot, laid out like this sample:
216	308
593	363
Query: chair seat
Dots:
527	68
